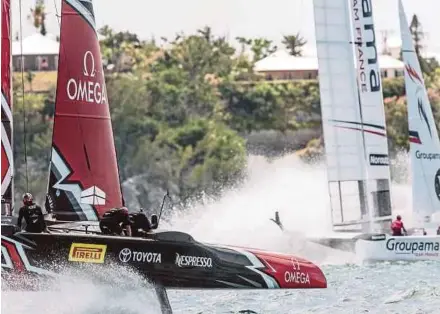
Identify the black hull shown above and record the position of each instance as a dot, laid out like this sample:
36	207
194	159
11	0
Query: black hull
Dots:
170	259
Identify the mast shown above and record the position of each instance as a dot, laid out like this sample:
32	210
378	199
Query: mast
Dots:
84	178
423	134
7	158
372	112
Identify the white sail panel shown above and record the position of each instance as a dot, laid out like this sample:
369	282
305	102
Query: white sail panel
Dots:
341	119
339	99
424	139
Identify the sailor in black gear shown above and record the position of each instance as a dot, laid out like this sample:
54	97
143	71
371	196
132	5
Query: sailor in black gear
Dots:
116	222
277	220
32	214
140	224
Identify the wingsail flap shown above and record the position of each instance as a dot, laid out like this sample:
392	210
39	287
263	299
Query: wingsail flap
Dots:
84	179
7	159
423	134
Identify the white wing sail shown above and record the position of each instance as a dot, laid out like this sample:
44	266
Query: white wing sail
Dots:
424	140
345	133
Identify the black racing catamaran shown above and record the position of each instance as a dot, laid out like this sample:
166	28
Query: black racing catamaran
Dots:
84	184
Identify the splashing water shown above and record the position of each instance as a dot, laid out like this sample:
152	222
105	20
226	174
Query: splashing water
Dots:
87	290
297	190
241	217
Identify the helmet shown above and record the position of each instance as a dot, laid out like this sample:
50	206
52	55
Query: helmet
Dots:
124	210
28	199
399	217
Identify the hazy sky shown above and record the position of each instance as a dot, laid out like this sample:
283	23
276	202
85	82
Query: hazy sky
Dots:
249	18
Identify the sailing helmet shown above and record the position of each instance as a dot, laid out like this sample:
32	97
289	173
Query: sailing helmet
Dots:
28	199
399	217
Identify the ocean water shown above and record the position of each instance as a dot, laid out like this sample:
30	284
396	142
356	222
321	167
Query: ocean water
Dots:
241	217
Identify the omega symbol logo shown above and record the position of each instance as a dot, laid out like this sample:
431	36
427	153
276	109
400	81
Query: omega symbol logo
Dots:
89	64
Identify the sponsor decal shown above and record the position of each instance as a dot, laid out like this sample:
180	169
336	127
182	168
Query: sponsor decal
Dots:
379	160
429	156
437	184
93	196
378	237
14	258
423	115
423	247
87	88
296	275
414	137
193	261
127	255
366	50
413	75
87	253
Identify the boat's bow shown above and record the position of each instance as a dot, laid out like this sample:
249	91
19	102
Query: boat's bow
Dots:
283	271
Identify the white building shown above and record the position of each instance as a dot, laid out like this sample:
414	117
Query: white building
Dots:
40	53
394	46
282	66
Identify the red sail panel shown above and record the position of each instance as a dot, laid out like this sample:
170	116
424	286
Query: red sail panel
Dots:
84	179
6	88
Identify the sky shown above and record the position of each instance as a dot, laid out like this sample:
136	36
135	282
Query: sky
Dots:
249	18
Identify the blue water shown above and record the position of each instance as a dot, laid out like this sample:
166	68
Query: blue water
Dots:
242	218
375	288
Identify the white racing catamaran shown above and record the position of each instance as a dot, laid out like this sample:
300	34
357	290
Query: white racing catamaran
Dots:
425	170
353	121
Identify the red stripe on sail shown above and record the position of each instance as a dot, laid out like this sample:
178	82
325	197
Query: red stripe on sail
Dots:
367	131
6	103
6	51
82	134
415	140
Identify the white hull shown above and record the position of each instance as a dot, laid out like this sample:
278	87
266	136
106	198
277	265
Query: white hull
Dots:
383	247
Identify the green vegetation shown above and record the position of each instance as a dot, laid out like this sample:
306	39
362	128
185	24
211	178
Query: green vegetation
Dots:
181	111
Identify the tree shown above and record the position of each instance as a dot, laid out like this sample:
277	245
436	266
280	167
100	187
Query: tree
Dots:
38	17
30	78
294	44
181	113
418	36
261	48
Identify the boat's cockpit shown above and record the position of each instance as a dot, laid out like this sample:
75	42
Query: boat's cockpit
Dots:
92	227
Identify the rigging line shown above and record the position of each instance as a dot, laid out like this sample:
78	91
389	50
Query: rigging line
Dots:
57	15
23	98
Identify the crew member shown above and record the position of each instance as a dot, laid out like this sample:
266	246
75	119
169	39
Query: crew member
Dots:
438	230
140	225
32	214
116	222
277	220
397	227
